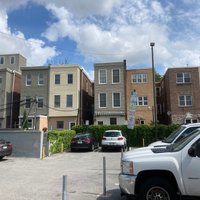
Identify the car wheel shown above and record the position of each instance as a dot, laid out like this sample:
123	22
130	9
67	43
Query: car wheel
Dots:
103	148
1	157
92	147
156	188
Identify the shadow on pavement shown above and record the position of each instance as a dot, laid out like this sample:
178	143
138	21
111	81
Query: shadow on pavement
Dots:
112	195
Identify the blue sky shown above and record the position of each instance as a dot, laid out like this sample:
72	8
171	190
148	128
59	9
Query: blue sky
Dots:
85	32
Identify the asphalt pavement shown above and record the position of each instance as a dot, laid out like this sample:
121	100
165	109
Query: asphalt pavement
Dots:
36	179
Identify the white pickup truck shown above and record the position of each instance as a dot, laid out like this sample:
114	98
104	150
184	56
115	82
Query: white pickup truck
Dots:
163	173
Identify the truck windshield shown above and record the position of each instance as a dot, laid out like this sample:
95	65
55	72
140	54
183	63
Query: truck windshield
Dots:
183	142
173	135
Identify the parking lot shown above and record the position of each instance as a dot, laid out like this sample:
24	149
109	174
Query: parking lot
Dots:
36	179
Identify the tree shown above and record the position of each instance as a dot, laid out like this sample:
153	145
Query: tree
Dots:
25	120
158	77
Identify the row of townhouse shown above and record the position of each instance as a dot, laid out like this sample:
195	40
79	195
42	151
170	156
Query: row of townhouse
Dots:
61	96
53	96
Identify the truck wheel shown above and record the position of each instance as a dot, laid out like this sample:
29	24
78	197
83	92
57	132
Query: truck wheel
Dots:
157	189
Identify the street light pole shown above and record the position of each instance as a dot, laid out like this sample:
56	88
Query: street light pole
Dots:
152	44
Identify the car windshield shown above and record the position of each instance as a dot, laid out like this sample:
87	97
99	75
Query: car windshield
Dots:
183	142
82	136
173	135
112	134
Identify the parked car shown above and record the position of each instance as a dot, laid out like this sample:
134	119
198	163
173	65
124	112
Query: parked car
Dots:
5	148
178	134
84	141
113	139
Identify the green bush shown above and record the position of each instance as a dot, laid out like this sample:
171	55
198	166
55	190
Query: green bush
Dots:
137	137
57	138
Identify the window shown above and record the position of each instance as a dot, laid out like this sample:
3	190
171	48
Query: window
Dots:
142	101
183	78
100	122
12	60
57	79
57	101
28	80
185	100
102	100
159	109
139	78
189	121
115	76
1	60
40	102
158	91
69	100
70	78
41	79
30	123
27	102
102	76
1	82
71	124
60	124
116	100
113	120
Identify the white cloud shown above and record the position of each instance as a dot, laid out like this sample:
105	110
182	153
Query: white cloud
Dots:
35	50
113	30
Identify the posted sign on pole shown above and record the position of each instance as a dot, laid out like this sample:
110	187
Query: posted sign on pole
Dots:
131	115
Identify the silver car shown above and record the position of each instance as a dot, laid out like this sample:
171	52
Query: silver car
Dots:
113	139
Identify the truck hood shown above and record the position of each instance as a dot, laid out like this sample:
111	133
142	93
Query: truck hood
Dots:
138	152
158	144
145	152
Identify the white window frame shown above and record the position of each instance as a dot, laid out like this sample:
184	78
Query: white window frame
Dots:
143	100
182	80
114	100
113	76
100	100
42	102
12	57
67	101
58	106
2	58
185	100
139	78
28	80
70	125
40	79
104	77
30	123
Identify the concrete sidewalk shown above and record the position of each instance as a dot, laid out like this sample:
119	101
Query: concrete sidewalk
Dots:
35	179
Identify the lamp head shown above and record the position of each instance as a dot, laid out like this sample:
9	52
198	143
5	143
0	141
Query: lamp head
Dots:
152	44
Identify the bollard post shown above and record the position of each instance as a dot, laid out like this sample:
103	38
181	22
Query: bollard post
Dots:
121	153
104	175
143	142
62	147
64	194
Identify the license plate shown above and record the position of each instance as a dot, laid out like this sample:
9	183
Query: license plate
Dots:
112	143
4	147
79	142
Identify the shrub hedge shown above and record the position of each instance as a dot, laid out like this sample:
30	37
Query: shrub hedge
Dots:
137	137
60	140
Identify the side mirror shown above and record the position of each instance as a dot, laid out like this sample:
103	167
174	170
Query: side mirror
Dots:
191	151
194	151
